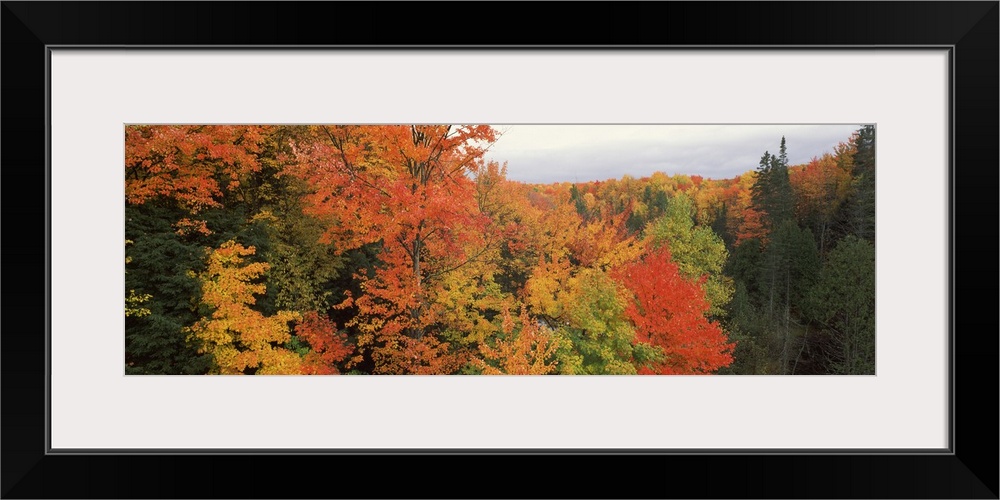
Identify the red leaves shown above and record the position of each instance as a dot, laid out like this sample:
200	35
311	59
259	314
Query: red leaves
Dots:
446	240
669	312
328	346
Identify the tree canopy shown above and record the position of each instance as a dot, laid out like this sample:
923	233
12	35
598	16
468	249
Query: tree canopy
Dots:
400	249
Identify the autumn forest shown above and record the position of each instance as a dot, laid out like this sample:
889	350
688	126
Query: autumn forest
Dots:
406	249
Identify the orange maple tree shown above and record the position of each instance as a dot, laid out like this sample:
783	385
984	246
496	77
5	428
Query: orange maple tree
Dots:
406	190
821	187
524	348
189	163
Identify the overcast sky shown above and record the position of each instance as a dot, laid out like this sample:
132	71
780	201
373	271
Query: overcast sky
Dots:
581	153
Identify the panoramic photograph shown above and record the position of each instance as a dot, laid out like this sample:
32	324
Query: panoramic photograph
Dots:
503	249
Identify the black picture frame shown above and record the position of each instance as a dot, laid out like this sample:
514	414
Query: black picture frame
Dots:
969	470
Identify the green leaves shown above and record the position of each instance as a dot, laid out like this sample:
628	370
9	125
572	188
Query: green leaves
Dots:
399	249
844	300
697	251
601	338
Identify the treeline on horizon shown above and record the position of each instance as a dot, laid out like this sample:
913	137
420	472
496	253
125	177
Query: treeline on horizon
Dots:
399	250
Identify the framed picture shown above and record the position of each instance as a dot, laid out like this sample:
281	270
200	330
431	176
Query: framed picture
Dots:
928	84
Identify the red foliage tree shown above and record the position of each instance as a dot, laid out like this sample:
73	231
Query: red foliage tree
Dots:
328	347
669	311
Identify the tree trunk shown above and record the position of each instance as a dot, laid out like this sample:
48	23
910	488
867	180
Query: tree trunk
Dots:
788	300
802	347
770	306
417	331
822	238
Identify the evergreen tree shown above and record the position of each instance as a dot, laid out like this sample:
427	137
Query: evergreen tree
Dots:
720	227
574	196
160	265
772	192
862	214
843	300
747	329
791	262
772	196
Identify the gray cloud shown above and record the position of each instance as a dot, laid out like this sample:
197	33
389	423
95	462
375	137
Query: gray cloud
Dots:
581	153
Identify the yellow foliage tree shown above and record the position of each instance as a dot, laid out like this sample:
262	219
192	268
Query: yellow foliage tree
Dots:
525	348
238	337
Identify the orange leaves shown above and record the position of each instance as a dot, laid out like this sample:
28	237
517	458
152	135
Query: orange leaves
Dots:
751	226
242	339
525	348
328	346
422	356
183	162
401	186
820	186
604	243
391	181
186	226
438	261
398	354
745	221
669	311
406	189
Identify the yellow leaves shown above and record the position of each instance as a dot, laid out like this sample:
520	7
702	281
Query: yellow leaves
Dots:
719	291
542	290
560	228
226	359
593	301
213	333
278	361
368	326
128	259
366	339
524	348
134	301
258	331
227	280
622	253
238	337
133	304
265	216
464	298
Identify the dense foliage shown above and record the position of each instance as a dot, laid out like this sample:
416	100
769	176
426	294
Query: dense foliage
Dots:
390	249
